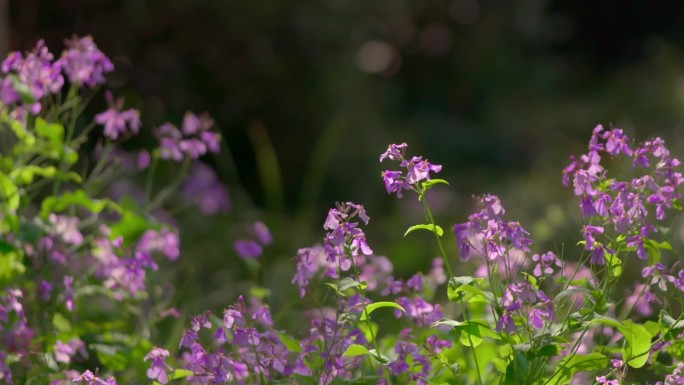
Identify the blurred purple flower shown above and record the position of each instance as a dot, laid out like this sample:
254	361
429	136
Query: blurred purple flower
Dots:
158	367
204	188
69	292
164	241
35	76
116	121
64	352
143	160
92	379
84	63
66	227
262	234
248	249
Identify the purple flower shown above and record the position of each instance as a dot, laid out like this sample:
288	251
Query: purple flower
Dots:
536	318
248	249
35	76
169	138
117	122
67	228
84	63
158	366
64	352
44	290
69	292
589	232
164	241
201	321
92	379
616	142
143	160
193	124
394	152
394	182
308	262
262	234
204	187
545	263
193	147
419	169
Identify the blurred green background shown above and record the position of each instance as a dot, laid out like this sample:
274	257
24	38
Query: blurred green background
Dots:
309	93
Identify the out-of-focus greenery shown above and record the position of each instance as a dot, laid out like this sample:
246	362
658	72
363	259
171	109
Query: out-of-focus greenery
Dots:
500	93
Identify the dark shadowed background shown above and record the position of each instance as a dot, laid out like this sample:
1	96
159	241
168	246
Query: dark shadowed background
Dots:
309	93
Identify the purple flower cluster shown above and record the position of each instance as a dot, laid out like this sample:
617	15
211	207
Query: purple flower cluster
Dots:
345	240
159	369
523	300
205	189
411	364
545	264
193	140
64	352
417	169
253	248
328	339
31	77
245	345
16	337
488	235
90	378
123	270
84	63
116	120
623	204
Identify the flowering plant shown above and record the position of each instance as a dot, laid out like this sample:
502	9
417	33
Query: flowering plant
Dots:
78	297
75	259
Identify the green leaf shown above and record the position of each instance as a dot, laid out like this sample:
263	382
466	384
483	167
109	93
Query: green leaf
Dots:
25	175
473	330
23	90
11	265
669	326
654	250
53	132
531	279
434	229
6	247
61	323
75	198
615	264
571	292
635	351
9	192
348	283
429	183
111	357
22	134
290	343
577	363
459	286
355	350
369	332
377	305
180	373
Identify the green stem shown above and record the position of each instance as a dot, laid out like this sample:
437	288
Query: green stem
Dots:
166	192
439	241
466	317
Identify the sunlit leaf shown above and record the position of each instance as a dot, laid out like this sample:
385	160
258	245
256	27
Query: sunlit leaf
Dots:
429	227
377	305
